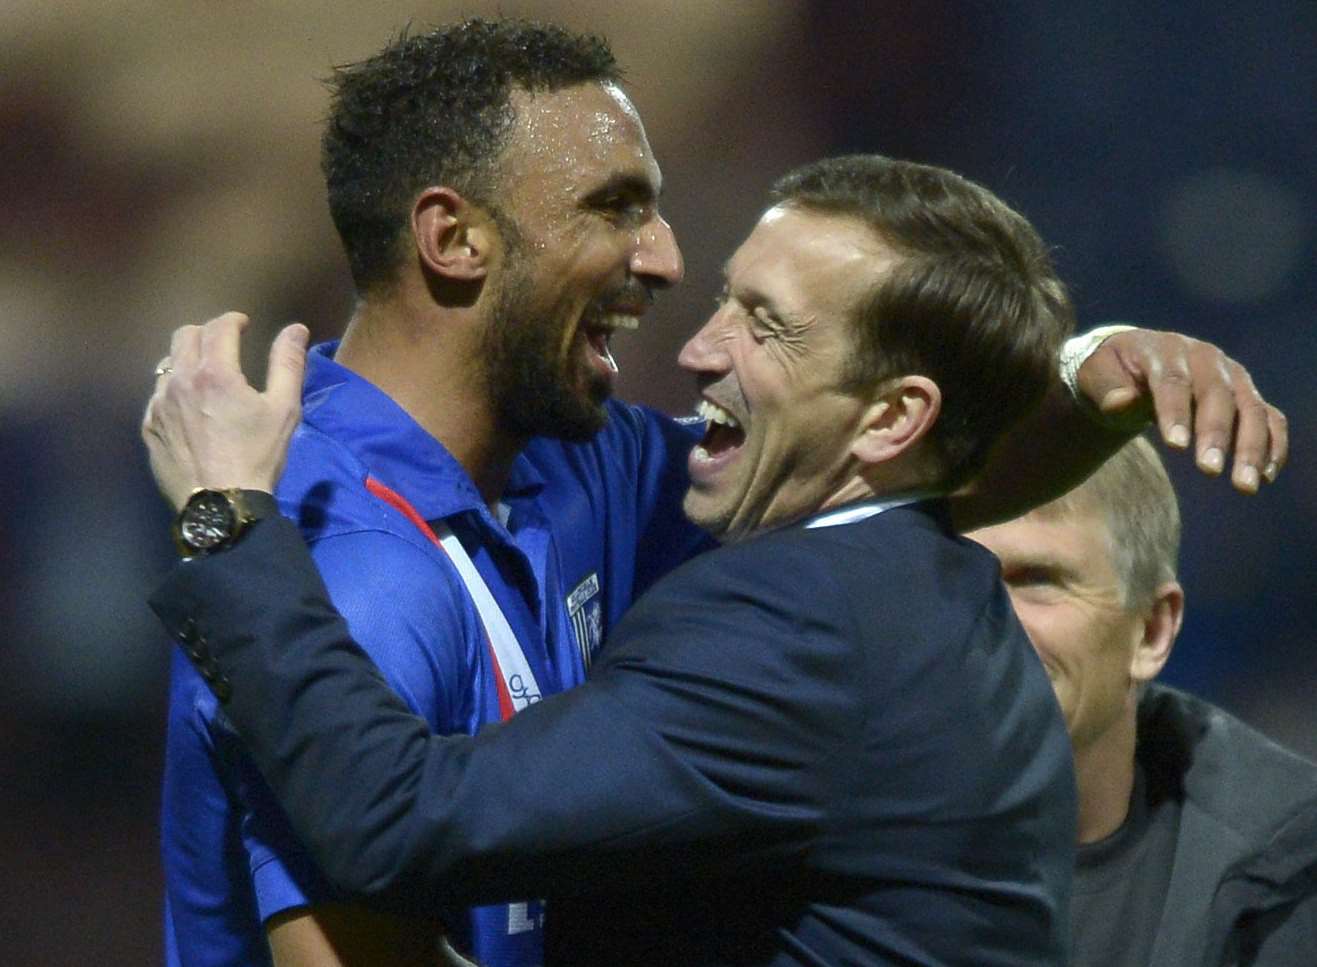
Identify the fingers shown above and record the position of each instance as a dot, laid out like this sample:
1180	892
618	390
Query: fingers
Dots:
1230	417
1158	364
221	340
1261	440
1279	451
1171	386
205	425
217	342
1213	392
185	348
167	447
283	379
1198	394
1252	434
148	427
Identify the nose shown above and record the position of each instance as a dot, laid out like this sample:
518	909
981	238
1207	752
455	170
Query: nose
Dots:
706	352
656	258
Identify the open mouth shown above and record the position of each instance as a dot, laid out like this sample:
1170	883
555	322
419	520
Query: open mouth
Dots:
723	432
599	333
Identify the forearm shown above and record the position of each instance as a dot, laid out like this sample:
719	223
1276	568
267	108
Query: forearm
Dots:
294	684
1047	454
1129	378
389	810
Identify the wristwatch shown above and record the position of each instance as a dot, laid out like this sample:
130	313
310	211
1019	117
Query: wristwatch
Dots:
214	519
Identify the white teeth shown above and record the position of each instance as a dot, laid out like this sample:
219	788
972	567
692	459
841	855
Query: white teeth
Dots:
618	320
713	413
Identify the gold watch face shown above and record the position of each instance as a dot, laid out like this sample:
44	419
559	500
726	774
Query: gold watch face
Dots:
206	521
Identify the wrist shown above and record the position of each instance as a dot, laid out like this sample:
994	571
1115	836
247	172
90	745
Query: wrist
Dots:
1074	353
213	519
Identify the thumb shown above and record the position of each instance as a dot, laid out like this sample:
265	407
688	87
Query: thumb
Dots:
1109	385
1118	398
1115	391
283	375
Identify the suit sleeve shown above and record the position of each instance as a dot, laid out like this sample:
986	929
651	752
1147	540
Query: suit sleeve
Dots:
649	770
398	610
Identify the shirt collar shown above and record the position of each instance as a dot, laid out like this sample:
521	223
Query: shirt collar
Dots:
393	447
861	510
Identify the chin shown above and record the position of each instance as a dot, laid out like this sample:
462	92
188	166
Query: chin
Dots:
559	415
715	525
577	420
580	431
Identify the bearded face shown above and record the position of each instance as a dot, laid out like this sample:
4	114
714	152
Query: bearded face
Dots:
537	389
585	246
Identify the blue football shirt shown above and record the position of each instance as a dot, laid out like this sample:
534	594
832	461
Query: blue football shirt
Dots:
585	529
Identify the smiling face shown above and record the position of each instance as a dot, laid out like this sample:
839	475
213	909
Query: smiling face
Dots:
585	249
1058	570
770	365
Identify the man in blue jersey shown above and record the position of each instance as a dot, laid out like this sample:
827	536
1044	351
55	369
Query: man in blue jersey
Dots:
497	199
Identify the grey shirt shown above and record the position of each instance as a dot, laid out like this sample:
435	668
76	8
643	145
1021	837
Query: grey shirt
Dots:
1121	882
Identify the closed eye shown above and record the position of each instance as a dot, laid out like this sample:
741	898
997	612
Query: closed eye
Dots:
623	205
763	325
1032	575
760	321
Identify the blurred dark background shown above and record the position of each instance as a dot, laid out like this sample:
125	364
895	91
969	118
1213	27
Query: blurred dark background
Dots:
160	167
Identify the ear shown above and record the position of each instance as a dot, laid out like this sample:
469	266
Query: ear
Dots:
1161	625
901	415
453	237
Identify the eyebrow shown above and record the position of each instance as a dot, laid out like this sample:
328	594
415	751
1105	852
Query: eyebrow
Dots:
625	183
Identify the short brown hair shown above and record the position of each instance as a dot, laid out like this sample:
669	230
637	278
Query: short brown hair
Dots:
974	304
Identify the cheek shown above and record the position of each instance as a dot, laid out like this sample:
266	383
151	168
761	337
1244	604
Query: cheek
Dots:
1089	666
766	390
1054	639
1038	624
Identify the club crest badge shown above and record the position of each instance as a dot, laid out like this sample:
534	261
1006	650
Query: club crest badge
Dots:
586	611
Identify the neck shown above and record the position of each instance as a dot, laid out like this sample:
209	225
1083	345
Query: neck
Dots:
878	483
1104	772
427	360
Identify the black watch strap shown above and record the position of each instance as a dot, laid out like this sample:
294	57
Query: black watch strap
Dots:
259	504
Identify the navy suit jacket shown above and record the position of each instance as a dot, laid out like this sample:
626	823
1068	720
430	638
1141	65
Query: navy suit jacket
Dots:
819	746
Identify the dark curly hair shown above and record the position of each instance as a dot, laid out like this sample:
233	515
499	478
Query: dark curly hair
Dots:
434	109
974	304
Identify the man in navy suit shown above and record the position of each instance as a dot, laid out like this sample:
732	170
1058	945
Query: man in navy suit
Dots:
828	742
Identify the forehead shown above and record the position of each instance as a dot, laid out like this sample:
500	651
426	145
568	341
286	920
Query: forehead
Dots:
1074	535
811	260
576	134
